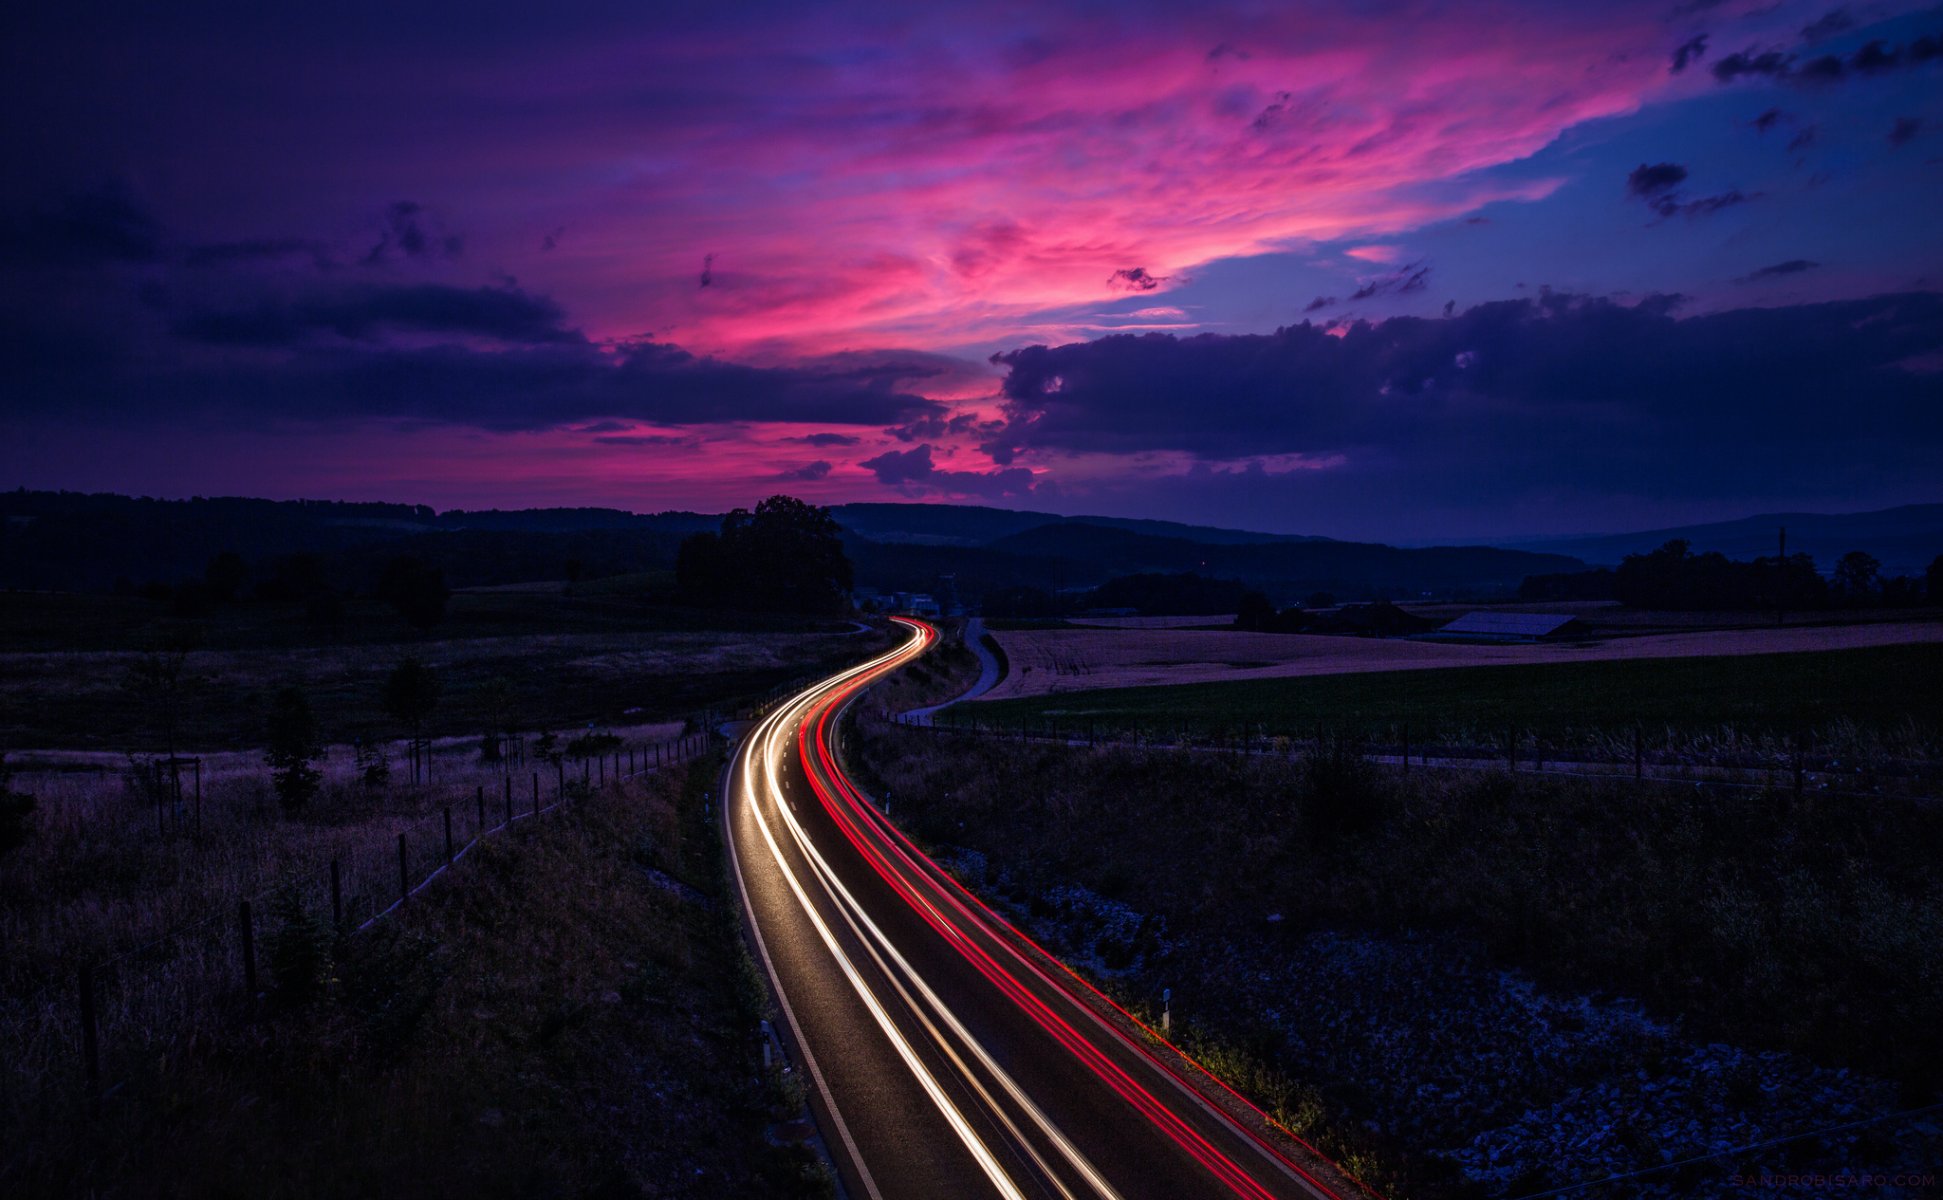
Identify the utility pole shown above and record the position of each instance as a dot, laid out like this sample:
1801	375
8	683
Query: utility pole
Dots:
1167	1010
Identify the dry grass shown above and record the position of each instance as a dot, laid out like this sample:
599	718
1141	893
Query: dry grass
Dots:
567	1016
1048	661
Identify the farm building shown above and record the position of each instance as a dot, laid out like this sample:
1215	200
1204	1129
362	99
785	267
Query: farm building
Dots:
1512	627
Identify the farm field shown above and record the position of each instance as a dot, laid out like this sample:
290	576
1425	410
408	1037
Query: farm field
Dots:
1887	691
544	658
1054	661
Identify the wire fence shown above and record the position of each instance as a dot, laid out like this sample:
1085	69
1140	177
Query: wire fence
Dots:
117	1017
1800	763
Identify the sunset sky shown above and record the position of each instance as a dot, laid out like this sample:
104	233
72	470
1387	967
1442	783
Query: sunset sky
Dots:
1393	270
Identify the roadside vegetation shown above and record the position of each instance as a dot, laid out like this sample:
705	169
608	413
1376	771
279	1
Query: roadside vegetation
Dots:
1699	970
569	1015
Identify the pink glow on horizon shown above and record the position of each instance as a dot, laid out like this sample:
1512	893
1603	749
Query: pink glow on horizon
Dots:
963	187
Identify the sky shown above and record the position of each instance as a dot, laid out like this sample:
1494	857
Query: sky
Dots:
1392	270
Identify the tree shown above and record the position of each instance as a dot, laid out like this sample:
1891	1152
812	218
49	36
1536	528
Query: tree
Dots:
786	556
1933	580
411	693
293	745
15	810
1858	577
225	576
500	700
1255	612
416	589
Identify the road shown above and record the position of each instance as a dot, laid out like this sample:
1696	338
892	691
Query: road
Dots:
946	1054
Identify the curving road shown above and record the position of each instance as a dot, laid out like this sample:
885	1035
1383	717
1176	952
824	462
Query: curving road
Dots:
947	1054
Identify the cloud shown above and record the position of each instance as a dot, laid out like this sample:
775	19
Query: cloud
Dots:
1793	266
1873	58
365	313
102	226
657	440
1769	119
807	473
1647	181
249	251
410	232
1689	52
1557	395
828	439
1318	304
912	472
1828	25
1135	279
1905	130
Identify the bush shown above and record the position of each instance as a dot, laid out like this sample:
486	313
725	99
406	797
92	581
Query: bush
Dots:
299	951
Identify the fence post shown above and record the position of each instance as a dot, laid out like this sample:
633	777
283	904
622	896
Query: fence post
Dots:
90	1038
198	799
404	872
509	801
249	948
448	835
481	827
536	791
337	895
1639	752
657	756
602	760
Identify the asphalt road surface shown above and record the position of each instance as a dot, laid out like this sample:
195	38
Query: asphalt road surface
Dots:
946	1054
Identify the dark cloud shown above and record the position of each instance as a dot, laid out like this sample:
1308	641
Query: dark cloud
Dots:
551	241
1411	277
913	473
1905	130
708	269
1705	206
365	313
409	231
1874	58
251	251
1803	139
807	473
1689	52
1318	304
1135	279
1746	63
1793	266
1646	181
1656	183
1769	119
1827	25
1559	393
86	229
828	439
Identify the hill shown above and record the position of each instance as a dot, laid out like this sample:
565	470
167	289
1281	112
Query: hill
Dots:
1904	539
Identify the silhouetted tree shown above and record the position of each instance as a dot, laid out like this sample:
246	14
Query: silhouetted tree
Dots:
225	576
15	810
1933	580
1858	577
411	693
416	589
293	745
786	556
1255	613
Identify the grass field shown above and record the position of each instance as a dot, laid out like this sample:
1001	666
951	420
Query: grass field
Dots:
1890	688
564	659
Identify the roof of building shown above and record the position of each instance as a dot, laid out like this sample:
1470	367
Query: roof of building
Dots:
1509	624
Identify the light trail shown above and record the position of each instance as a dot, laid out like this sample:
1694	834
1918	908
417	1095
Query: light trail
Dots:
915	1019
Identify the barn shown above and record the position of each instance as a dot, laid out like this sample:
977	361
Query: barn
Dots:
1513	627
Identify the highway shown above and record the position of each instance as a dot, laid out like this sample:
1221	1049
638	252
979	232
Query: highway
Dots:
946	1055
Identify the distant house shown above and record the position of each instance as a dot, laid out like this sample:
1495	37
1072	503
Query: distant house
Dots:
917	604
1512	627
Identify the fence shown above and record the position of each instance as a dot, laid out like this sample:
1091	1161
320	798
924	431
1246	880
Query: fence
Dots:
153	1003
1797	763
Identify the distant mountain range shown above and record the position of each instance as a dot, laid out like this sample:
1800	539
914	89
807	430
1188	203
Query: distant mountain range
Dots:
72	541
1904	539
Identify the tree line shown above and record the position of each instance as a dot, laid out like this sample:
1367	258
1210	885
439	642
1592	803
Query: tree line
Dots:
1674	577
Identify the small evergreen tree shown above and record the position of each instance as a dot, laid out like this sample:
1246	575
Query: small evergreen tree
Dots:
299	950
293	746
15	809
411	693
